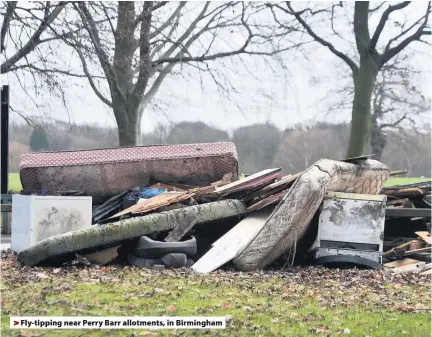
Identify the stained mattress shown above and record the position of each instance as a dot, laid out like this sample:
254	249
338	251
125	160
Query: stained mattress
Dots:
102	173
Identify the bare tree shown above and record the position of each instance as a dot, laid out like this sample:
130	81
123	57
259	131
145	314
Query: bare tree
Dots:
31	36
398	103
141	46
370	55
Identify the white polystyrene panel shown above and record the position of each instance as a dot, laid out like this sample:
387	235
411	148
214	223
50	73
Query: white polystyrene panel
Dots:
35	218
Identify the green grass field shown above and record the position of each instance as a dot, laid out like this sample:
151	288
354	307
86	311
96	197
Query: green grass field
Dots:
395	181
15	183
303	302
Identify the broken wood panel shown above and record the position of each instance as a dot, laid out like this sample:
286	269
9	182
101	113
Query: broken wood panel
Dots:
401	263
180	231
267	201
255	184
237	184
413	268
260	194
103	256
393	212
426	272
426	237
359	158
113	233
408	192
397	202
283	181
228	246
291	219
398	172
403	245
156	202
420	250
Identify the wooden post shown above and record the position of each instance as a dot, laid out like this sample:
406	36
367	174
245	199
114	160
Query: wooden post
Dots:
4	138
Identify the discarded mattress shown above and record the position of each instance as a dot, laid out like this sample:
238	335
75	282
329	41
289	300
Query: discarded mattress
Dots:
291	218
106	172
112	234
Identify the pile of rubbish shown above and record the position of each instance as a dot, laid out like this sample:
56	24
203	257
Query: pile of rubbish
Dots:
185	206
408	228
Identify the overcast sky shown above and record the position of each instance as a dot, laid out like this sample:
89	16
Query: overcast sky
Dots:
300	95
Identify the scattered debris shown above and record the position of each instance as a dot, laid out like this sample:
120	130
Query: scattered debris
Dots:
292	217
184	206
113	233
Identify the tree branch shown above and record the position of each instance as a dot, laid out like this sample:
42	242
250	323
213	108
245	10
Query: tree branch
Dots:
6	20
34	40
90	78
317	38
391	52
91	28
142	14
174	15
108	18
145	65
383	21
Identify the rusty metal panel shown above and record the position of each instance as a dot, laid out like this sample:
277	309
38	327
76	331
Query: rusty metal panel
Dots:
355	219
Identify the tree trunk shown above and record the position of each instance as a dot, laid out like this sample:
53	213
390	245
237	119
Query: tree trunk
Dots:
128	125
364	82
378	139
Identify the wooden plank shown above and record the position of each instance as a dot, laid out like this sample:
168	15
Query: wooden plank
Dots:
398	172
236	184
393	212
354	196
356	159
413	268
410	191
283	181
403	245
232	243
426	272
267	201
415	251
154	203
426	237
103	256
180	231
397	201
401	263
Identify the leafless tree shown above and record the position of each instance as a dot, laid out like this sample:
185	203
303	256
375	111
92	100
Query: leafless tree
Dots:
371	52
139	47
31	34
398	102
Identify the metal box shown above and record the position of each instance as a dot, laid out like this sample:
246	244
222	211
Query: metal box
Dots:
35	218
351	227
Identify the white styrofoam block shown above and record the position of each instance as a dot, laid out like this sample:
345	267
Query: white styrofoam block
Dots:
35	218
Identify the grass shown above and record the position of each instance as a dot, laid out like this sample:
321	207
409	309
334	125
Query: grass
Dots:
14	182
317	303
394	181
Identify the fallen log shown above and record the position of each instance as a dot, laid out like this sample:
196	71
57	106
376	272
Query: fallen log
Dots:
113	233
291	218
